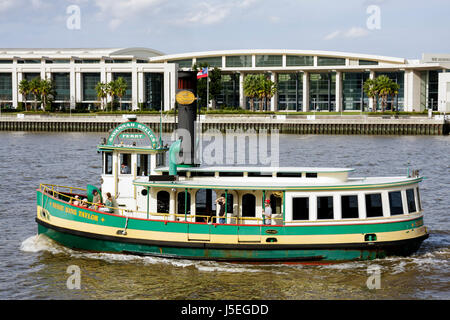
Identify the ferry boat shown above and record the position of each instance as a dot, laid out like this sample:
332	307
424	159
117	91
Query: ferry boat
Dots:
318	214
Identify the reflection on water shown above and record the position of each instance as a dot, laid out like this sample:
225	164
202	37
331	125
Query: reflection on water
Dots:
34	267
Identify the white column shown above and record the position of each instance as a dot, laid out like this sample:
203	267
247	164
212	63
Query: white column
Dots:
15	87
338	90
78	86
371	106
274	99
140	86
412	90
305	91
444	92
134	88
241	90
73	86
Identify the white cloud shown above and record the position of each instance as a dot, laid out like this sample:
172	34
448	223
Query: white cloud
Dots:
5	5
353	32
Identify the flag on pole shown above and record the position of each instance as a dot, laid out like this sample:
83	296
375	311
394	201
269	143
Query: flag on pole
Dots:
202	73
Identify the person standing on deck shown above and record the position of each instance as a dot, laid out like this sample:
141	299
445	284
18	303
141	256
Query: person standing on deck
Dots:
267	213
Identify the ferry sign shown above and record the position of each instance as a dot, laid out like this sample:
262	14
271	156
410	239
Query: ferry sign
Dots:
146	132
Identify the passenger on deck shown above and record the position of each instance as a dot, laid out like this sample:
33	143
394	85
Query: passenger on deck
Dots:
75	201
96	200
84	203
267	213
124	169
221	202
108	204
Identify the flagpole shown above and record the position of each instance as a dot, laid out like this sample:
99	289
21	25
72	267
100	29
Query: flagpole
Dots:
207	89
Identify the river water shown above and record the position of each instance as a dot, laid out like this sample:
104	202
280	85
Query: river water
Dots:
33	267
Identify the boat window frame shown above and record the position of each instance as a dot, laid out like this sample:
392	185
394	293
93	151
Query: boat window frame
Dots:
333	214
391	202
413	200
121	154
381	200
308	206
357	206
105	162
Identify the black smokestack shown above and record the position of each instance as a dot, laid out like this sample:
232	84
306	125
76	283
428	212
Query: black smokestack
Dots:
187	115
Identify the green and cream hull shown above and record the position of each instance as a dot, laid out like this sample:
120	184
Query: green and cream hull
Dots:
86	229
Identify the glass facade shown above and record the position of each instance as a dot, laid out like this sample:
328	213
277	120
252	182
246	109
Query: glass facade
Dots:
127	77
398	101
238	61
153	91
229	96
268	61
327	61
368	63
5	86
298	61
433	85
61	81
290	91
89	81
353	95
183	63
322	91
211	61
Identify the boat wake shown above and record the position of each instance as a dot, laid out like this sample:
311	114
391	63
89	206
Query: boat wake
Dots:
41	243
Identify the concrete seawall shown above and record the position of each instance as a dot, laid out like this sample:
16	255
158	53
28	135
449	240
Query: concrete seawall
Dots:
295	124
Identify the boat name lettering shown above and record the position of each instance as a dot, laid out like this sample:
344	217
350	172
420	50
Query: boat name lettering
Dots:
271	231
57	206
87	215
71	211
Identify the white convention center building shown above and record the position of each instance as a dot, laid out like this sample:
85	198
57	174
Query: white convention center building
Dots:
306	79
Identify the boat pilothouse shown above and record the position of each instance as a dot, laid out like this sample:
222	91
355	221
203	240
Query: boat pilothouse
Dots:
185	210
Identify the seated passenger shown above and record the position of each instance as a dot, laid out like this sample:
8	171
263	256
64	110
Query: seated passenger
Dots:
84	203
124	169
96	200
75	201
108	204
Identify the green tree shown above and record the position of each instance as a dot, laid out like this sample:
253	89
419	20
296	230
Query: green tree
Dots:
102	93
215	85
24	90
267	89
121	89
370	87
35	88
387	87
251	89
46	91
112	91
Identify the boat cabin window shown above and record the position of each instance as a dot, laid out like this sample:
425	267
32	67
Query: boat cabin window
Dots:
259	174
160	159
395	203
143	164
231	174
125	163
205	204
374	205
276	203
419	203
289	174
311	174
163	201
184	199
324	207
410	200
107	162
248	205
300	208
349	207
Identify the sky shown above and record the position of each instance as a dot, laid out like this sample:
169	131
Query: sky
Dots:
397	28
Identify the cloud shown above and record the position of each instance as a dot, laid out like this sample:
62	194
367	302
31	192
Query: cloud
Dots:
118	11
5	5
353	32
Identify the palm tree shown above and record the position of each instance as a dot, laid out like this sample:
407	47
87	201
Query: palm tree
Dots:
35	85
251	89
111	88
268	88
102	93
121	89
386	87
24	90
371	89
46	90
